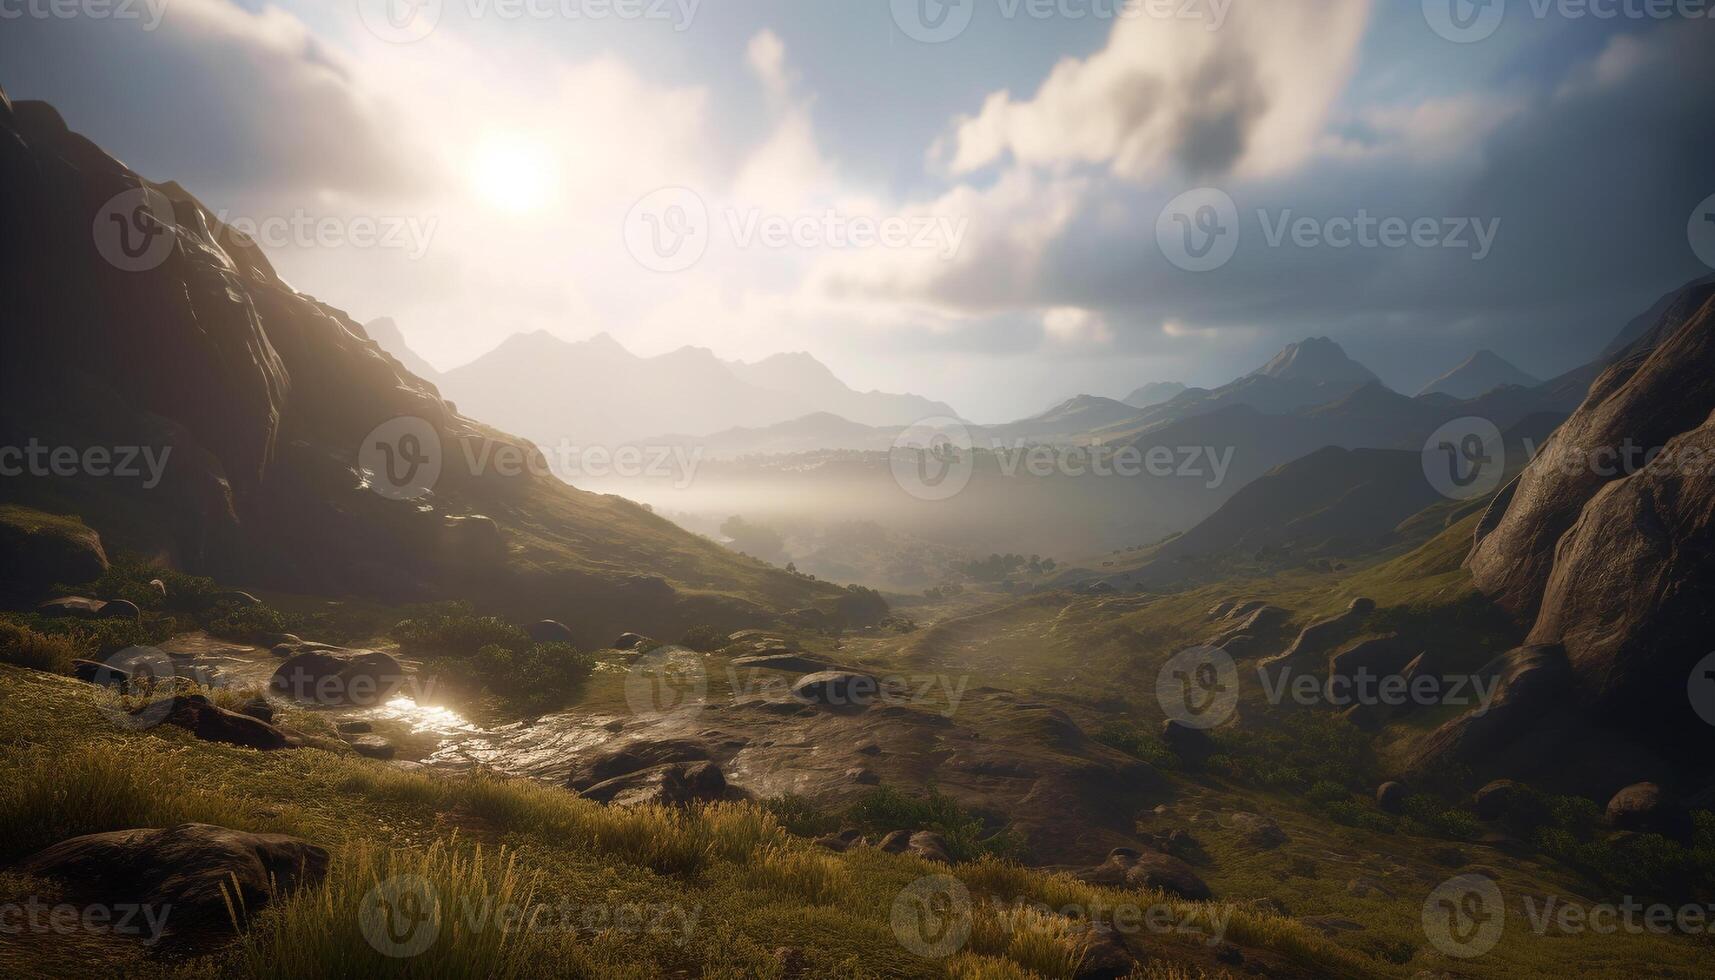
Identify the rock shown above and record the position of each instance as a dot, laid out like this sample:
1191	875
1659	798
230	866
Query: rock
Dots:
863	777
159	586
1646	808
1390	797
1534	681
49	551
1384	656
791	662
184	868
792	962
95	672
258	708
1104	954
1221	608
1185	740
371	746
930	846
633	757
742	635
1605	554
630	641
355	728
846	840
212	723
1259	831
1320	638
1496	798
1367	888
837	688
548	631
674	784
79	607
1129	868
361	677
896	842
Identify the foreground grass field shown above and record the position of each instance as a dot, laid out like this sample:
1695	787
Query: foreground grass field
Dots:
714	892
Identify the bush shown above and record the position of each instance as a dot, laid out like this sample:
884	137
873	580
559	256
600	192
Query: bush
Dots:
24	647
129	577
539	678
884	810
1135	741
453	629
1434	815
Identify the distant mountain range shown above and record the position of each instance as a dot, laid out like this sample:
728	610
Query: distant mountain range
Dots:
1153	394
1482	373
597	393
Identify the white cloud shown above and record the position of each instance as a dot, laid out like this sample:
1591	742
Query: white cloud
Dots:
1250	98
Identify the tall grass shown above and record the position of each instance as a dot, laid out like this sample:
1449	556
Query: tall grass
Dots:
24	647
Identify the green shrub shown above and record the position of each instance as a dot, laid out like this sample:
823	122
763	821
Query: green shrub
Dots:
1350	814
884	809
128	578
24	647
799	816
247	624
1133	740
453	629
1432	814
539	678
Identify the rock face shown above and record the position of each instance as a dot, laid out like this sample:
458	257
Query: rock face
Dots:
43	553
1391	796
634	756
1608	555
549	631
1645	807
1533	684
837	688
182	867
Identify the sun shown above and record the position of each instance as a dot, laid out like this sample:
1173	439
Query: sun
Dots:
514	173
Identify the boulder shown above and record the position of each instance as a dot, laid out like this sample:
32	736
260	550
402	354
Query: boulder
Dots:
1258	832
633	757
355	727
1534	681
327	676
674	784
837	688
1496	798
45	551
630	641
191	868
258	708
95	672
371	746
548	631
159	586
896	842
212	723
1129	868
863	776
930	846
795	663
79	607
847	839
1103	954
1646	808
1390	797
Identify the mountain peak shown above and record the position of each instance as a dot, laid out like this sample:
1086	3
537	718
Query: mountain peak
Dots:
1318	360
1480	374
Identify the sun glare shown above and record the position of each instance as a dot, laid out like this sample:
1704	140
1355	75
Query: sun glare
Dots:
514	173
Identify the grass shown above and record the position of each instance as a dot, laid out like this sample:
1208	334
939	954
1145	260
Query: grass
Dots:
24	647
486	842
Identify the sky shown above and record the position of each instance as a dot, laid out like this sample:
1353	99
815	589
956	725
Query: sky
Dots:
993	203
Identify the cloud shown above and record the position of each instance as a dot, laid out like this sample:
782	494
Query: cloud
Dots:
264	101
1249	98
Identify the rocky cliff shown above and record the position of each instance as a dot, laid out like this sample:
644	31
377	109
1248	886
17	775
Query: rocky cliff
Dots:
131	317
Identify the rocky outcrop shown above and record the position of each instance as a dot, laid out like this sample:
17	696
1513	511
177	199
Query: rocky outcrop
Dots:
634	756
43	551
78	607
193	869
674	784
212	723
1603	541
837	689
1533	684
1128	867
